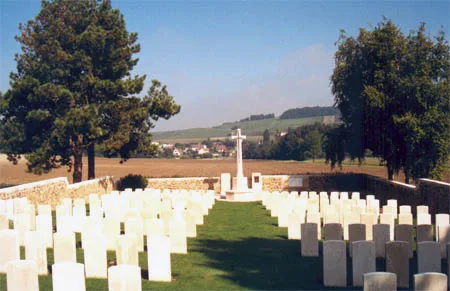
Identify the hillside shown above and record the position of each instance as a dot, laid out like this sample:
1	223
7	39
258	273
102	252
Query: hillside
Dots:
309	112
253	128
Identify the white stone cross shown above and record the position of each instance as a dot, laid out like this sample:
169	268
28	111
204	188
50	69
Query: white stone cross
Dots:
239	138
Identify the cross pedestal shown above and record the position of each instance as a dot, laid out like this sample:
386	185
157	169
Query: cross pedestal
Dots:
239	190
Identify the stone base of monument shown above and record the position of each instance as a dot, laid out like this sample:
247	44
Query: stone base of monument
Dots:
240	183
240	196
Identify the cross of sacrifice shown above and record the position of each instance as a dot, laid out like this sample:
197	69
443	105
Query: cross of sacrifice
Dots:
239	138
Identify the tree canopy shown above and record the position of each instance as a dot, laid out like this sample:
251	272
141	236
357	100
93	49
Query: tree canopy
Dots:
73	89
393	93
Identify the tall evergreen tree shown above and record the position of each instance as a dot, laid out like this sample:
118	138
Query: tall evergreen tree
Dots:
390	89
73	89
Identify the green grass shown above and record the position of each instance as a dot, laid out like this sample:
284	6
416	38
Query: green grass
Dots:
249	128
238	247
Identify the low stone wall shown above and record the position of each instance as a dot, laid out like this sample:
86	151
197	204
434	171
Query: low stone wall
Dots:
435	194
53	190
197	183
384	190
326	182
83	189
42	192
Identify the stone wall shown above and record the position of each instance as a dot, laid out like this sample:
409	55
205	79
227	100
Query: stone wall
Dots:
275	183
83	189
384	190
53	190
436	195
42	192
197	183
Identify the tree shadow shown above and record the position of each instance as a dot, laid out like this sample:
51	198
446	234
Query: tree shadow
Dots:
262	264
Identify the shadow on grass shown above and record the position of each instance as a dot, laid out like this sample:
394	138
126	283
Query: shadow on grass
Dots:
258	263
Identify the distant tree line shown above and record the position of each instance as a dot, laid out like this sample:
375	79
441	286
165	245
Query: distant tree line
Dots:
309	112
299	144
258	117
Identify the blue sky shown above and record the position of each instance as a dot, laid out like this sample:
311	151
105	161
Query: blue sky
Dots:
225	60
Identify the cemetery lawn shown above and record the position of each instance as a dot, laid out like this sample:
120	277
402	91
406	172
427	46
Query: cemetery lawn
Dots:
238	247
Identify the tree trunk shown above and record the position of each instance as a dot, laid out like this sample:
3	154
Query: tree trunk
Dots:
390	173
91	161
407	177
78	166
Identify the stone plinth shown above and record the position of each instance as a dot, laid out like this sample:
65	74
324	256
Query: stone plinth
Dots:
241	196
239	183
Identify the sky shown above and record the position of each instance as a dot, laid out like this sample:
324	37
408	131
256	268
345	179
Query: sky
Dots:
225	60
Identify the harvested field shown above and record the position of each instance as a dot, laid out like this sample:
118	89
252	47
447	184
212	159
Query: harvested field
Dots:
13	175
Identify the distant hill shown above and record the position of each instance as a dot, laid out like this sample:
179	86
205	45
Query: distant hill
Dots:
251	128
309	112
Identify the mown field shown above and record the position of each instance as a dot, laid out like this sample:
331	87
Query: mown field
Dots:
13	175
249	128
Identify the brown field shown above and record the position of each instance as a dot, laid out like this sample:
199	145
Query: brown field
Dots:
13	175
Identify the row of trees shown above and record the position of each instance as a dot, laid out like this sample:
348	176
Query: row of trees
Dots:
299	144
73	90
394	95
258	117
309	112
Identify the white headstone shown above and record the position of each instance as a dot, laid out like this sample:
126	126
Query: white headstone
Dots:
294	224
95	256
22	275
191	226
91	226
44	209
126	250
135	227
124	278
45	227
111	230
9	248
21	226
178	240
68	276
36	250
4	221
159	265
79	213
225	182
64	247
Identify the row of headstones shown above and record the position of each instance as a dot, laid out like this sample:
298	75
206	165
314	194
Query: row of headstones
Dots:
379	233
134	218
23	274
397	263
94	244
334	209
293	219
114	204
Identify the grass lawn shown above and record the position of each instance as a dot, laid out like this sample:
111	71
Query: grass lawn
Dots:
238	247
